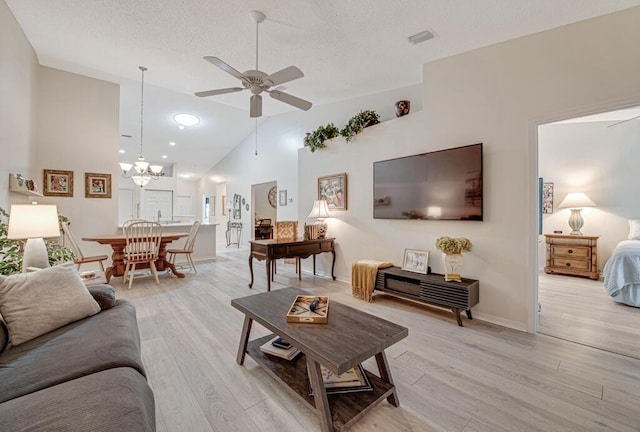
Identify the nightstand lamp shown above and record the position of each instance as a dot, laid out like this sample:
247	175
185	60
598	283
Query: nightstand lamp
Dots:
320	211
576	201
33	222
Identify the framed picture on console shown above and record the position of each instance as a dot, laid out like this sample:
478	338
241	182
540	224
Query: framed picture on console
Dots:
415	261
333	189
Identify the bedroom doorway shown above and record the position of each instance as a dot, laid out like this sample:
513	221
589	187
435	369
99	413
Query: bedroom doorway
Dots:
594	155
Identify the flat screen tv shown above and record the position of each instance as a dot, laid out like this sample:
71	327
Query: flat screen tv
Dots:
441	185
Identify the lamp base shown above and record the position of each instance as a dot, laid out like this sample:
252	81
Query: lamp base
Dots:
322	228
35	254
576	221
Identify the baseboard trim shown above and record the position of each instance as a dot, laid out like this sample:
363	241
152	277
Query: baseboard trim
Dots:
500	321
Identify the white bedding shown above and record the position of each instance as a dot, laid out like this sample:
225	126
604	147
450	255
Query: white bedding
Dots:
622	273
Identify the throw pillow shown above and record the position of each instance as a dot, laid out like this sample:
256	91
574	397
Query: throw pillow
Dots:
634	229
36	303
104	294
4	335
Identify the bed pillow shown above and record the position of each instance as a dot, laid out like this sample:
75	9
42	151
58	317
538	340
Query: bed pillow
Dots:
634	229
36	303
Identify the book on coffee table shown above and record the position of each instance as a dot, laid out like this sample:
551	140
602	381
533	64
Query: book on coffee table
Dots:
353	380
285	353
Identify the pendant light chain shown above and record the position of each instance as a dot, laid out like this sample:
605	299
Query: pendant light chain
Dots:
143	69
256	136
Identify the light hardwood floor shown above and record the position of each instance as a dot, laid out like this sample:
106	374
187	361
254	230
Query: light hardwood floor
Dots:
580	310
479	378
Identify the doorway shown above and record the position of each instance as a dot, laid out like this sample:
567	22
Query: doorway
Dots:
264	204
594	155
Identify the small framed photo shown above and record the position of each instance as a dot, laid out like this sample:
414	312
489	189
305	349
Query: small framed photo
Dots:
415	261
58	183
333	189
547	198
97	185
282	198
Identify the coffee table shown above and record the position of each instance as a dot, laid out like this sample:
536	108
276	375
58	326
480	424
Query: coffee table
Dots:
348	338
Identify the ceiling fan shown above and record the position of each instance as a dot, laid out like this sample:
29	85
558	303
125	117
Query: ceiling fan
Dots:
257	81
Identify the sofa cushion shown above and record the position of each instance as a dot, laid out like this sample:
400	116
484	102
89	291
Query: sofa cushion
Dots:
104	341
33	304
104	295
4	335
113	400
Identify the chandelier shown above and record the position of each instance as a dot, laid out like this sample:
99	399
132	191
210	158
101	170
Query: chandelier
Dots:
142	172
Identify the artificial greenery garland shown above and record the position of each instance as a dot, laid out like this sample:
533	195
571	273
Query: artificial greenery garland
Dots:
358	122
315	140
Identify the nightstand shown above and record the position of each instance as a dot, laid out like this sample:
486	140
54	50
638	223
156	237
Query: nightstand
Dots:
573	255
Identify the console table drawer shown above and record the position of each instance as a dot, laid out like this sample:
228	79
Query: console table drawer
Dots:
577	251
571	263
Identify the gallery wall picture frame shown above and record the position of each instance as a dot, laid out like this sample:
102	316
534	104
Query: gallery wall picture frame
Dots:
415	261
333	189
58	183
547	198
282	198
224	205
97	185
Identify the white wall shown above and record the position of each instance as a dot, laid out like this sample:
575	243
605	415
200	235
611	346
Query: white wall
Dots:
600	161
279	141
77	130
261	207
18	90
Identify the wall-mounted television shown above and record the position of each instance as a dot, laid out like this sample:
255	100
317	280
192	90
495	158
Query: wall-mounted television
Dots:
441	185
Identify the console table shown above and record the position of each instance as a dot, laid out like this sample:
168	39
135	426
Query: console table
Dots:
348	338
431	289
270	250
234	229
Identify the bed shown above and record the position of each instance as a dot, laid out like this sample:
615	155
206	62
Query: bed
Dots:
622	273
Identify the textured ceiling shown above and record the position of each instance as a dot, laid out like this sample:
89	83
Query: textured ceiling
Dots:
345	48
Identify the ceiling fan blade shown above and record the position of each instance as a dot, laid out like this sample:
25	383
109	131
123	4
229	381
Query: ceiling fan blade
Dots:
225	67
219	91
291	100
285	75
256	106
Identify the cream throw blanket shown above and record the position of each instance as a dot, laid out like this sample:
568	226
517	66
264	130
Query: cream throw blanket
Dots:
363	278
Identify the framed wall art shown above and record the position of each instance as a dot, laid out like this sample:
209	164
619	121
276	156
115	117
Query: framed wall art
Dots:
282	198
224	205
547	198
97	185
333	189
58	183
415	261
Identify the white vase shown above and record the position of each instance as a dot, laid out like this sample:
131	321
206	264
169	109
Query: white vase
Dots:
453	264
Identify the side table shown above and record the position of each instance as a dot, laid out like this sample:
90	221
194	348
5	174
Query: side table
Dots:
572	255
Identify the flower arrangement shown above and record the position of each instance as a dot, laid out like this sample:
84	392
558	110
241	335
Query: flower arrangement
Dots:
451	246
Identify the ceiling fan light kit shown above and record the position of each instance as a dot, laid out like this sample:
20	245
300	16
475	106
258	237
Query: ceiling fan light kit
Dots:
257	81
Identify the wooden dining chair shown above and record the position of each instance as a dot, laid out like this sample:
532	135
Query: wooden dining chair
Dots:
80	258
188	247
142	247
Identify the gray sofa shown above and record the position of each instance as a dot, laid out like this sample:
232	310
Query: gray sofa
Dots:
85	376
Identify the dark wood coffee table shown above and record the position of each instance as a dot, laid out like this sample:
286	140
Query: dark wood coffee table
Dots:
348	338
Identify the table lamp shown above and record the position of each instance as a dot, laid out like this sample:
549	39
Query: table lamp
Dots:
576	201
320	211
33	222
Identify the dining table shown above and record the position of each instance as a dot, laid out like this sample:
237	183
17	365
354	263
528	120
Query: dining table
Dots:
118	242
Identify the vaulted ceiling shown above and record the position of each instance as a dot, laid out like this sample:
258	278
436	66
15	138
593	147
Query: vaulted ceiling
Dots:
345	49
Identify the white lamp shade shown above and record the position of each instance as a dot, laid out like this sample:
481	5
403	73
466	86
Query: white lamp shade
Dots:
320	209
576	200
141	166
156	169
141	181
125	167
28	221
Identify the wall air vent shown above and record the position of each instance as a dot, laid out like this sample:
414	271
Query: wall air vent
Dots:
422	36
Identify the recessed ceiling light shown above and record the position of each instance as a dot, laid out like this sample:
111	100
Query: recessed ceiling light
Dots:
185	175
164	156
121	151
172	143
180	127
186	119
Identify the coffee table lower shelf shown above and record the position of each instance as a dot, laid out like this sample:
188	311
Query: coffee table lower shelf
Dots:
346	408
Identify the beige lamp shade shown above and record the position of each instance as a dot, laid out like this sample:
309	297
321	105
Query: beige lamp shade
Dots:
33	221
576	200
320	209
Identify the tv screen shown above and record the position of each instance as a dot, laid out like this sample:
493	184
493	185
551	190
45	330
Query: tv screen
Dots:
442	185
